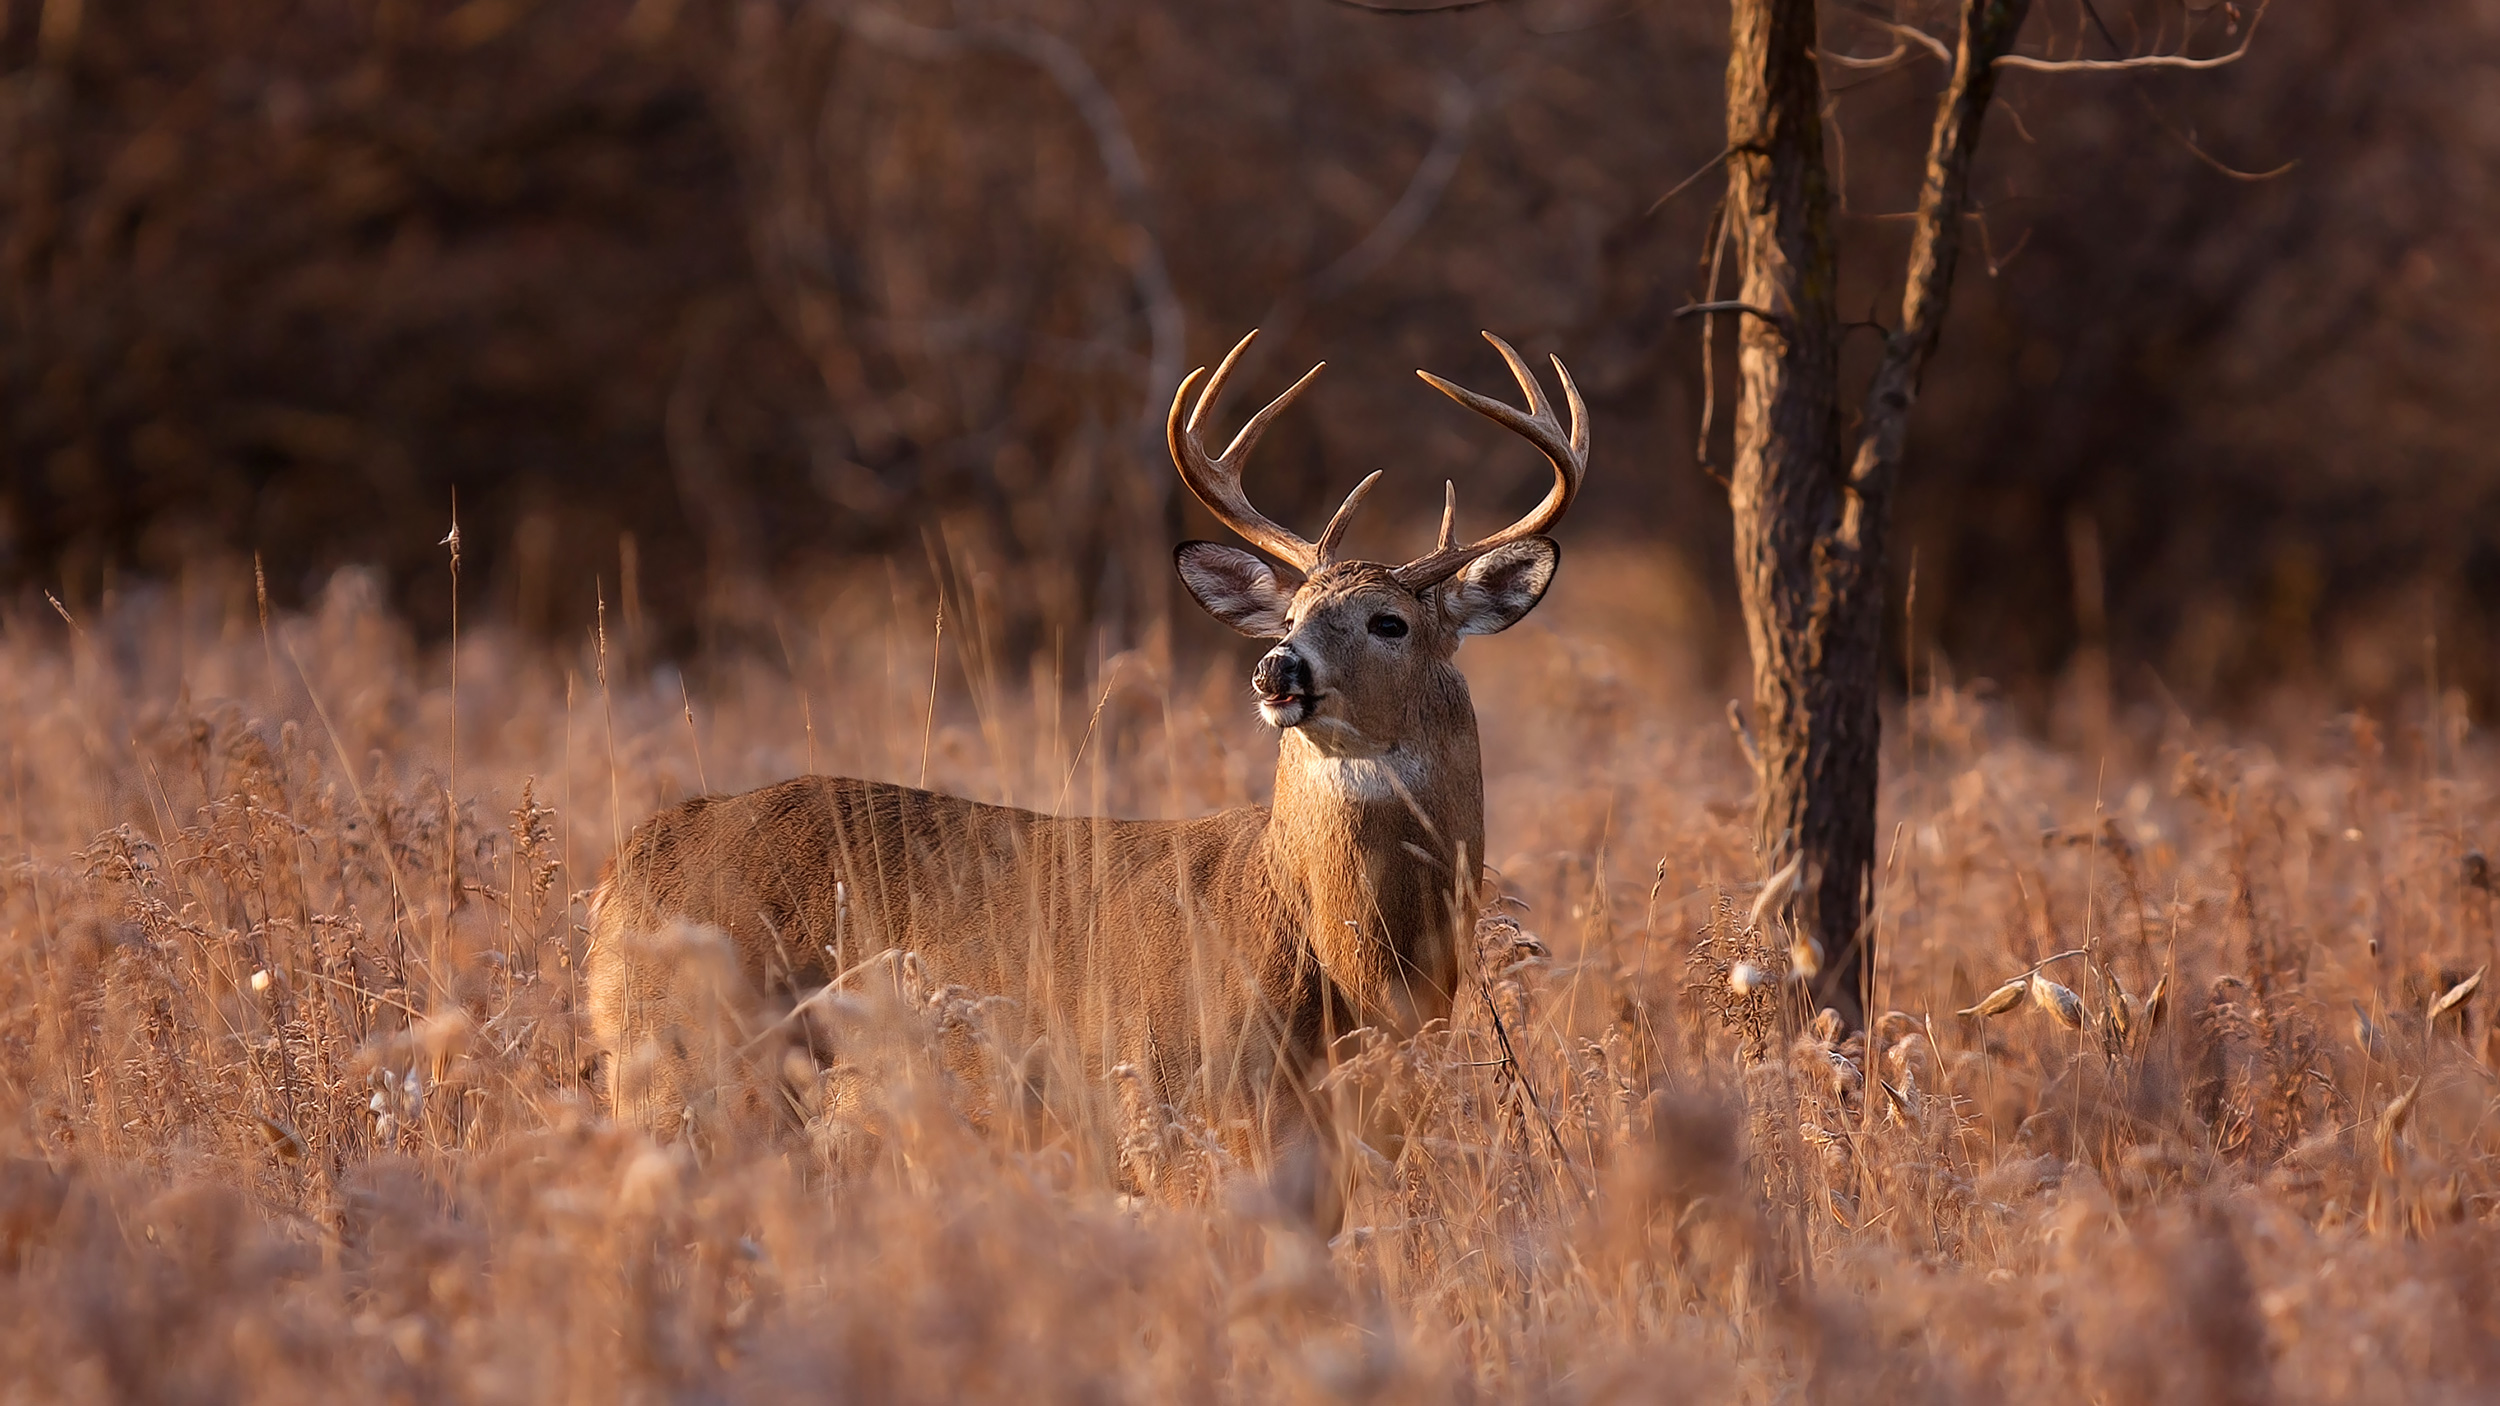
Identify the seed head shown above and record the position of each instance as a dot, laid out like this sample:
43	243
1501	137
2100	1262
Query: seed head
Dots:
1805	955
2124	1012
1776	889
1999	1001
2058	1001
1745	978
2157	1005
260	980
2391	1123
283	1140
2457	995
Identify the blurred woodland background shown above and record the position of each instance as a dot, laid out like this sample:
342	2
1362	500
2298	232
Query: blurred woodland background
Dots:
700	298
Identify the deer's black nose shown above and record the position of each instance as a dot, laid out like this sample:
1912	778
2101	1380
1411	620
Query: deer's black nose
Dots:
1282	673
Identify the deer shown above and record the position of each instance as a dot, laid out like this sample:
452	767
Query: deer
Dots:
1221	961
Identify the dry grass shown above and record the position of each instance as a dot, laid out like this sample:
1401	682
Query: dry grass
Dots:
292	1103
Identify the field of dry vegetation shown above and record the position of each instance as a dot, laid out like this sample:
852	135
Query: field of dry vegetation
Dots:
291	1074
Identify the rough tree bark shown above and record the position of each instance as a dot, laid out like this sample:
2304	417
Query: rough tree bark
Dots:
1811	504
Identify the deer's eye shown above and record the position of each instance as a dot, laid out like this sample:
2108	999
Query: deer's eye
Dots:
1388	627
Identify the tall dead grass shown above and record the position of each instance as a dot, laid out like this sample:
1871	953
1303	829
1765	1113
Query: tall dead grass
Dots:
293	1103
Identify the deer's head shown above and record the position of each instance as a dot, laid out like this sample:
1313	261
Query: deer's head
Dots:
1362	662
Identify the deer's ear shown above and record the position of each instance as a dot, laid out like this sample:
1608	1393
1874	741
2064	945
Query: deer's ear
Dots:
1504	584
1235	587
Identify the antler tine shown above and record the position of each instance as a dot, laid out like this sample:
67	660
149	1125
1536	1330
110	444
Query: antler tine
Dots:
1449	515
1334	532
1216	479
1568	451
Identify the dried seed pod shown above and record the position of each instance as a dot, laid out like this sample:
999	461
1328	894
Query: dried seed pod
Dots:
283	1140
1805	955
1910	1059
1745	978
260	980
2364	1030
2458	994
2125	1014
1999	1001
1844	1210
2392	1120
445	1034
1827	1026
1846	1079
1776	889
2157	1005
2058	1001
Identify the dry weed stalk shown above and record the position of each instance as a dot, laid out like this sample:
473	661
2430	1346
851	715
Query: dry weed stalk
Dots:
281	1125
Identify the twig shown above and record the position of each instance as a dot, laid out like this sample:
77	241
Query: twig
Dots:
2201	154
1068	782
1744	737
1709	339
2139	62
1685	184
694	739
1459	108
1912	33
1900	47
928	721
1700	309
1519	1074
2035	967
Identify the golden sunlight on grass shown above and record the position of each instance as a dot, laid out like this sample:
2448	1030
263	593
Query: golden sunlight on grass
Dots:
2181	1090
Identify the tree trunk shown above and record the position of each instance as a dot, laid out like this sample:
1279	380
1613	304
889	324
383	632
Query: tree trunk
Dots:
1810	509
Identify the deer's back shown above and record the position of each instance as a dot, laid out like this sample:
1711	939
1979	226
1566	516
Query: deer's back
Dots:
1136	937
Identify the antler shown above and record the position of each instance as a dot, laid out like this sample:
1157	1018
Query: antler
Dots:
1216	479
1569	453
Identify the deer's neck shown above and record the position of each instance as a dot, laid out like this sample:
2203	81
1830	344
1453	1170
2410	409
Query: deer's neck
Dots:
1377	853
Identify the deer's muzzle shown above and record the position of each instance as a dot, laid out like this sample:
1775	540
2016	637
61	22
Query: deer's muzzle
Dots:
1287	695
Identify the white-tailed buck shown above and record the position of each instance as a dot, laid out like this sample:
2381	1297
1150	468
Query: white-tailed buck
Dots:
1221	959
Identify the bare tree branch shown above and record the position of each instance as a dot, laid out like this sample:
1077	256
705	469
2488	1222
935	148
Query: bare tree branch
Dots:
1459	106
2153	111
1122	167
1909	32
1702	309
1686	184
2136	63
1721	231
2143	61
1900	49
1988	30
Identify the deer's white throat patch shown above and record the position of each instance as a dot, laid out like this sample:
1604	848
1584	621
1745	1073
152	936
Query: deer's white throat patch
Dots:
1375	778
